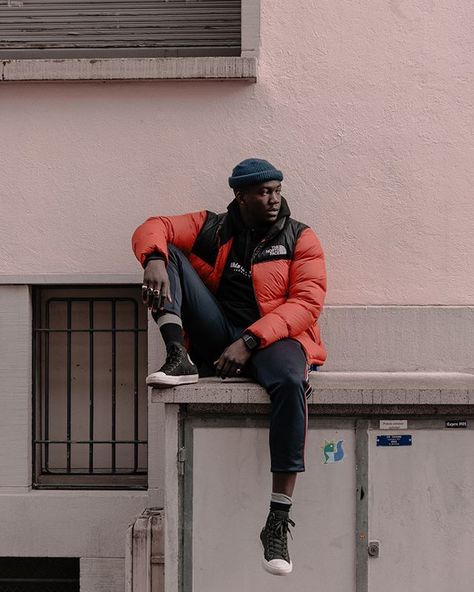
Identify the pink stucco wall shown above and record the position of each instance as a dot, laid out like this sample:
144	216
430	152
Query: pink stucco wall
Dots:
366	106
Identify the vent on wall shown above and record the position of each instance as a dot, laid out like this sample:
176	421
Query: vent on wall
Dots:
39	574
98	28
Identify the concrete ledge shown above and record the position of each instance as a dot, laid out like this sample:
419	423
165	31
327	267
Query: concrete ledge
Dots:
337	388
71	278
133	69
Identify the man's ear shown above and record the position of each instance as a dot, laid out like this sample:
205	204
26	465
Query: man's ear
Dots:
239	196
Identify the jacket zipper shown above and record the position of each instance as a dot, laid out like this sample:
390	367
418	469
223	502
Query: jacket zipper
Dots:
255	251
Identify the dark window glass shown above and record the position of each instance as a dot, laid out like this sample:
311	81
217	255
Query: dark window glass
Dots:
39	574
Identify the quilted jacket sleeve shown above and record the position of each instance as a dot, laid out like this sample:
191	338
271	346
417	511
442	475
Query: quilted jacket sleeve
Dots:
307	290
156	232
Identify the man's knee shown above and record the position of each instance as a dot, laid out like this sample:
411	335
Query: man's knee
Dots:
289	381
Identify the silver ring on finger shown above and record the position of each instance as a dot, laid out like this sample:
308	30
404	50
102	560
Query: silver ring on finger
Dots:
238	371
156	292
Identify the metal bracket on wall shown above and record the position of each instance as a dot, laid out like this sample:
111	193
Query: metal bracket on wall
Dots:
181	460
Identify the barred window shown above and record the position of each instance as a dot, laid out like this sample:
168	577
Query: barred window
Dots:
90	397
98	28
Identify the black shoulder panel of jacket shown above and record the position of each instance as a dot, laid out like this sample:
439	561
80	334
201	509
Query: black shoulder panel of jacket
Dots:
281	245
293	229
206	245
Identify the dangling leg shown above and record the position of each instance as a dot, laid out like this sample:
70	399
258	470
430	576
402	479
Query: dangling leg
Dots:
281	369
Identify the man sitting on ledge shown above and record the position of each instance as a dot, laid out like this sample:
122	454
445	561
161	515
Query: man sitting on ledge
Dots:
248	287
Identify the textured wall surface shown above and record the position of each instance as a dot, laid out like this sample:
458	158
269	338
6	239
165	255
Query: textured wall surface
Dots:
69	523
15	388
367	107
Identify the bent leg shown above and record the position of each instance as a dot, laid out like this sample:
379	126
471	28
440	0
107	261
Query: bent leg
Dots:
203	319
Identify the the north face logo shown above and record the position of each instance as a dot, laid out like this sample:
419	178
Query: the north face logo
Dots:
275	251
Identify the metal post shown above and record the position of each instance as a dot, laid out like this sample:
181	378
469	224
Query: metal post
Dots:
91	385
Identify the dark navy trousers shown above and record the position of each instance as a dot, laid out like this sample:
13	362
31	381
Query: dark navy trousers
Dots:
281	368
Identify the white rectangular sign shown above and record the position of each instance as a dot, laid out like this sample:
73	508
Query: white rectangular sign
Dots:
393	424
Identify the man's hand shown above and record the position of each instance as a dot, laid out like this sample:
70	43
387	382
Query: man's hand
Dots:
156	285
232	359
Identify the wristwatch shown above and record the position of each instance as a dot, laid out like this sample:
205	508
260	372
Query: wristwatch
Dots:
251	342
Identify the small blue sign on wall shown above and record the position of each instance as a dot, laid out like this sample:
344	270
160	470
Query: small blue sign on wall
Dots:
396	440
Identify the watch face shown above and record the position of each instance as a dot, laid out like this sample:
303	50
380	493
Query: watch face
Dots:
250	341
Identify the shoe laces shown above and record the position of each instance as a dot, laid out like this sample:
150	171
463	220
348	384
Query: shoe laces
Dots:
174	357
278	526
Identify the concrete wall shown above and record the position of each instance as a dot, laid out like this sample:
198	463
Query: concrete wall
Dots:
15	388
367	108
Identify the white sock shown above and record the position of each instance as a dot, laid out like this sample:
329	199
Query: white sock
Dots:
281	498
169	317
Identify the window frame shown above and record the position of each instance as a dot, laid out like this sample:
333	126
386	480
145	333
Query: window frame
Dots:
134	69
64	480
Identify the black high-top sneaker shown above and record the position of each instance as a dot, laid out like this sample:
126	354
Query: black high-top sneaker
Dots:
274	537
178	369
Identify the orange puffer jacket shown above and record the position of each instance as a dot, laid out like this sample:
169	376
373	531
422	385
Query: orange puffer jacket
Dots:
288	270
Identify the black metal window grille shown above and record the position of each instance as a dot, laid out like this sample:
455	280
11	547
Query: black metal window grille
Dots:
90	397
39	574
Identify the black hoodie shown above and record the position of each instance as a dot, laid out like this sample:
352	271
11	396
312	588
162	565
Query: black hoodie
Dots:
236	294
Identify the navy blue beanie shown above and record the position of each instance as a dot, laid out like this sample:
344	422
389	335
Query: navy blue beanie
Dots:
252	171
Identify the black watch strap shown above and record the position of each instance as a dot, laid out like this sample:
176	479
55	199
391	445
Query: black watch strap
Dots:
153	257
251	342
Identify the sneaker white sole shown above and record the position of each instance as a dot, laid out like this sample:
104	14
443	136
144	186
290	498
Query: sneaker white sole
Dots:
277	571
283	569
162	380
